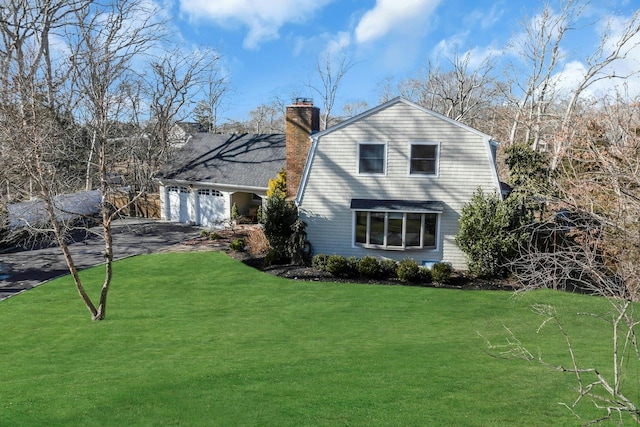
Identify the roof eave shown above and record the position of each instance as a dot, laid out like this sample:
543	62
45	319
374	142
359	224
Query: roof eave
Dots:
216	185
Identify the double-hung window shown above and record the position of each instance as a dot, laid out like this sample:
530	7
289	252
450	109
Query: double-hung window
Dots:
372	158
424	158
391	224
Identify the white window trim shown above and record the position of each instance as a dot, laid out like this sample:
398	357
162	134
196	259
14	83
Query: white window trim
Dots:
384	246
209	192
424	175
386	148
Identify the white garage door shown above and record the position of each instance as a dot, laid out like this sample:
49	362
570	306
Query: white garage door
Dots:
211	207
178	198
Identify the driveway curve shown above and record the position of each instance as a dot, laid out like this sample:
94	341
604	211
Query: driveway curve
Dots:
24	270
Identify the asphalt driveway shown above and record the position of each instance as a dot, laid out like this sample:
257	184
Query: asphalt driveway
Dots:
24	270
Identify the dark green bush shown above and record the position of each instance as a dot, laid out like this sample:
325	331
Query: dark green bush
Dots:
425	275
237	245
408	270
296	248
280	217
339	266
369	266
319	262
204	233
489	234
441	272
353	266
214	236
259	216
388	268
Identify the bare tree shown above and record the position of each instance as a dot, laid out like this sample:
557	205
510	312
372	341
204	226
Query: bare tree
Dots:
25	58
215	89
107	39
268	118
540	52
592	245
386	89
173	79
55	100
461	92
330	73
611	49
353	108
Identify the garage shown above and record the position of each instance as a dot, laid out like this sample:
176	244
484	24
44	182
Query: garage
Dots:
178	204
209	207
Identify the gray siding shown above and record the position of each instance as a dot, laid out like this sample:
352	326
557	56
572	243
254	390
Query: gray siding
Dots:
333	179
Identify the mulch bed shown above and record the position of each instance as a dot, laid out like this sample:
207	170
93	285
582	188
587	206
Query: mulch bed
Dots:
295	272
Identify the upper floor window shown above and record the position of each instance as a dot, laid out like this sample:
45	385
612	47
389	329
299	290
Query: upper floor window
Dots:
372	158
424	159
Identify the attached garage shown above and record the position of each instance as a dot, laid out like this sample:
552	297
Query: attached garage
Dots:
209	207
177	199
212	172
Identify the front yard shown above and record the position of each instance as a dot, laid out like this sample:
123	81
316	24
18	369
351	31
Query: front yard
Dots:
200	339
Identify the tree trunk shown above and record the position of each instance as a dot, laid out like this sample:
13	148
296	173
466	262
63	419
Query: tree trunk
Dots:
60	237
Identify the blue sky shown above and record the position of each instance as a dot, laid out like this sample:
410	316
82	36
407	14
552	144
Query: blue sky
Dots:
271	47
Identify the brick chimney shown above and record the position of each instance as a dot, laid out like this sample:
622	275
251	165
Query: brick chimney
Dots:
302	119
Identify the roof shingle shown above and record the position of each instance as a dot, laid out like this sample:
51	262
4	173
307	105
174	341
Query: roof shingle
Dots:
238	159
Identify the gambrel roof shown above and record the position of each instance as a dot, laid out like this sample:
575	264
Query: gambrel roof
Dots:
488	139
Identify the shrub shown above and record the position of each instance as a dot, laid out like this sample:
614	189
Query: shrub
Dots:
257	243
205	234
214	236
278	184
279	216
441	272
319	262
369	266
234	212
297	248
408	270
259	215
339	266
488	234
388	268
237	245
353	265
425	275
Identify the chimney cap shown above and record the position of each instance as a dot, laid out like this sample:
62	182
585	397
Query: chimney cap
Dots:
303	101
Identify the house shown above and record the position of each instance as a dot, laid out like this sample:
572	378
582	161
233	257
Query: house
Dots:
180	132
212	172
391	182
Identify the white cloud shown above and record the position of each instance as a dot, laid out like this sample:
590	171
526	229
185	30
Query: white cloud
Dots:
392	16
263	18
338	43
485	18
448	49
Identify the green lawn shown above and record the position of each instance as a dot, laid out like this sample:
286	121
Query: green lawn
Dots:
200	339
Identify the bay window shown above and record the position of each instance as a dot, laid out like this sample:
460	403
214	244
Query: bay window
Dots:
391	224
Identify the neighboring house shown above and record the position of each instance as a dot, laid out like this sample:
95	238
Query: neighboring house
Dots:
391	182
180	132
212	172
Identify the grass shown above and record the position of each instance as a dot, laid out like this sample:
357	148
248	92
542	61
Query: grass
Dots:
200	339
